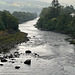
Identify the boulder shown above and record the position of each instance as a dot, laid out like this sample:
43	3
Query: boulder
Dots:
3	60
28	52
28	62
17	67
10	56
1	64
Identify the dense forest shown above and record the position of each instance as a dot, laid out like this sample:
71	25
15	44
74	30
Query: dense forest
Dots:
8	21
58	18
23	16
9	32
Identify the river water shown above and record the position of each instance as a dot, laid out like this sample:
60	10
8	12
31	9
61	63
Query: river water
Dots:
56	56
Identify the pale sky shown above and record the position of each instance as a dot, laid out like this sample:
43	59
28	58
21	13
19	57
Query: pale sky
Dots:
61	1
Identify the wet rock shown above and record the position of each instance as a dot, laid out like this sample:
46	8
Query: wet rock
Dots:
28	62
17	67
35	54
28	52
16	54
21	53
3	60
13	59
33	36
13	62
1	64
5	56
29	37
10	56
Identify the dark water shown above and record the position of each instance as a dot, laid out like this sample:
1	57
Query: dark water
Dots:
56	56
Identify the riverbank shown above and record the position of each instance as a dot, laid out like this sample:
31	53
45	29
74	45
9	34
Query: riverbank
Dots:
71	38
72	41
9	39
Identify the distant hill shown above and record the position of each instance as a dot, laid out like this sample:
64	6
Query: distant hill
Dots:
23	5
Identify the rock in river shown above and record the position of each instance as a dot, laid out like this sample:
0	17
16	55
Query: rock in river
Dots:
17	67
3	60
1	64
28	52
28	62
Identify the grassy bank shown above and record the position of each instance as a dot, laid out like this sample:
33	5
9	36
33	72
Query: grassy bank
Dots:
8	41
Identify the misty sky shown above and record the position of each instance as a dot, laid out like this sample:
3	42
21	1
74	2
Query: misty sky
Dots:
28	2
62	1
30	5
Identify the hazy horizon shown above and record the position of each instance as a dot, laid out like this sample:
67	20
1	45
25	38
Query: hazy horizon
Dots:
18	3
29	5
60	1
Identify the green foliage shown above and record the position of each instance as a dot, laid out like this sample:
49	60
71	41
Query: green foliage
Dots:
9	32
2	27
57	19
8	41
12	22
23	16
68	9
8	21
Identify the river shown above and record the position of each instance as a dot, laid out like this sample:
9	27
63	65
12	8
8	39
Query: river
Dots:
56	56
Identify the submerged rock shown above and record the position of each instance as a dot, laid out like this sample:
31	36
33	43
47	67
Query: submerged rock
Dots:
35	54
13	59
13	62
33	36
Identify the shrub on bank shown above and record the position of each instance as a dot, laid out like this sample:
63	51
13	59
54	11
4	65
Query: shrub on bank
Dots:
8	41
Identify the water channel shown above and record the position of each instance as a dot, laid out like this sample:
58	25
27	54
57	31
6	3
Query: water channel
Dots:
56	55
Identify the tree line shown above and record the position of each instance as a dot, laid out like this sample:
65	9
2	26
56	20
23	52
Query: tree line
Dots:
23	16
57	18
8	21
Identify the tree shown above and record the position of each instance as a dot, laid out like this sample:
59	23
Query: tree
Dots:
57	18
23	16
10	22
55	3
2	27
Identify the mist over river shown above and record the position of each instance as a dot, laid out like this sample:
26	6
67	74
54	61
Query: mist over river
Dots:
56	56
